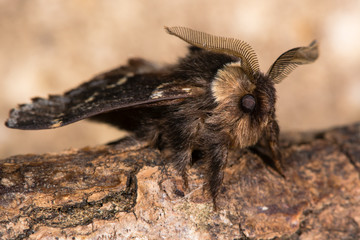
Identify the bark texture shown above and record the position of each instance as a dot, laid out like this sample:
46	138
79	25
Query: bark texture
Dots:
124	191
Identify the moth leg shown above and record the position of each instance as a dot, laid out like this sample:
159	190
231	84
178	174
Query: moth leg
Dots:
182	159
177	140
176	150
217	156
272	137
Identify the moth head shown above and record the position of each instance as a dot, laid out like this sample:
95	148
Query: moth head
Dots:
245	97
244	106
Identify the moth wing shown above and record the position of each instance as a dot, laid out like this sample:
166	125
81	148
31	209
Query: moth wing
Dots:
138	83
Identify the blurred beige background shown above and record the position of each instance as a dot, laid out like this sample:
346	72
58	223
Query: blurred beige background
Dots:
52	46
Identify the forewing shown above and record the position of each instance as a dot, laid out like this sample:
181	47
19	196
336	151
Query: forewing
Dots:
138	83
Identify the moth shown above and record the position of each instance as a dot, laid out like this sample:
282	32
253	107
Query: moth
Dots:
212	100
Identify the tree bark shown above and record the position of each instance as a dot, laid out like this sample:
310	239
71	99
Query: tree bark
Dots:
123	191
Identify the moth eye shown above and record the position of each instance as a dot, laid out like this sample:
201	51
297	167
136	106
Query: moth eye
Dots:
248	103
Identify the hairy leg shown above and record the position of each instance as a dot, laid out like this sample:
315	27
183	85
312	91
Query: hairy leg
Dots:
216	155
272	137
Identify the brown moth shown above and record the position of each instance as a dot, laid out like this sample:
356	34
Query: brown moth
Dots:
212	100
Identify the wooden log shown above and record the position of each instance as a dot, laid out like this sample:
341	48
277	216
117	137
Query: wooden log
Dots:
121	192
